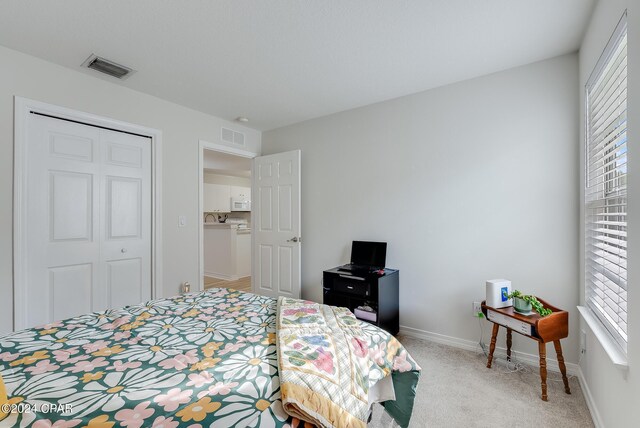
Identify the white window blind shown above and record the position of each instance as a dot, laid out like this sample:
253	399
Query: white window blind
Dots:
606	187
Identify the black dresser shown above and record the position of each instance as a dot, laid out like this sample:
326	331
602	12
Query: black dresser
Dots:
379	291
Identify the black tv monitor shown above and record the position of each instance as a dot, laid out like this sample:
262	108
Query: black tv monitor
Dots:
365	253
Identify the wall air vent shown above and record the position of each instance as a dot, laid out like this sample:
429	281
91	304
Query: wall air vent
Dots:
233	137
105	66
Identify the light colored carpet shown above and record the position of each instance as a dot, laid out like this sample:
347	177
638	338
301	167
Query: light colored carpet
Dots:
457	390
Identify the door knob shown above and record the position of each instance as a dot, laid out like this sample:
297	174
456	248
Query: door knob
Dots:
294	239
124	250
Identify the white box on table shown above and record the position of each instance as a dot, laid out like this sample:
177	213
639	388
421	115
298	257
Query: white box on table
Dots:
497	292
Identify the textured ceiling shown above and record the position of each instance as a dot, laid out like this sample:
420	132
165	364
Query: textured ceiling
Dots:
283	61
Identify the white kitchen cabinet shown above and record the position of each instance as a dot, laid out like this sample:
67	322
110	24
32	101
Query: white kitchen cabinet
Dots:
227	252
217	198
243	254
219	252
240	193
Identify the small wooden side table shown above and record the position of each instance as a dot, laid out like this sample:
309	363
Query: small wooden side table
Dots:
551	328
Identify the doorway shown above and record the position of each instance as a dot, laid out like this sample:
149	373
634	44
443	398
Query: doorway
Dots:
226	217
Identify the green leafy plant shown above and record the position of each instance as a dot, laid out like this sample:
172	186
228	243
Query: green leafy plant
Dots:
535	303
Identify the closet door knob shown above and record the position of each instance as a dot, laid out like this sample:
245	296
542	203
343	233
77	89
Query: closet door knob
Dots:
124	250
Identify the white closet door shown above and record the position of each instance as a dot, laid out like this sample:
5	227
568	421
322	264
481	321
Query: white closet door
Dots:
86	195
125	230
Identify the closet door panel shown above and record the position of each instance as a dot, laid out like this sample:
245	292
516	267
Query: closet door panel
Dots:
87	222
126	229
62	220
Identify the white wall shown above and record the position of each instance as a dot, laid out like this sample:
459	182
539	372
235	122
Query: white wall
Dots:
467	182
227	179
615	394
182	128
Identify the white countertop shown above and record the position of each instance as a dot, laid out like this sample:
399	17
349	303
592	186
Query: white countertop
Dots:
228	226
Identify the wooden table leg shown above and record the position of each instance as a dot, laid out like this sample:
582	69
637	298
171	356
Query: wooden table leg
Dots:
492	348
563	368
508	344
543	368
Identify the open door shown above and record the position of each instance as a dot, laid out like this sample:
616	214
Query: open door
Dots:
276	224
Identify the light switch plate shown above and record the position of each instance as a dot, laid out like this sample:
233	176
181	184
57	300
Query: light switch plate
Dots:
182	221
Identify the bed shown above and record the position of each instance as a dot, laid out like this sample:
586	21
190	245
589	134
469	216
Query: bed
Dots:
206	359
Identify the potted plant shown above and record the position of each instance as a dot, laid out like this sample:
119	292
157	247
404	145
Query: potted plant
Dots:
523	303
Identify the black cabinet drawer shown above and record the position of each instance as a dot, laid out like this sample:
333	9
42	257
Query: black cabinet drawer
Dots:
378	291
350	285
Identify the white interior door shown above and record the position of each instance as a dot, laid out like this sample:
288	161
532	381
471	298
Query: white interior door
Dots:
88	221
125	231
276	224
62	220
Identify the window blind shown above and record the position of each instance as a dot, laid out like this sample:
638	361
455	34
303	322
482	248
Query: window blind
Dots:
606	187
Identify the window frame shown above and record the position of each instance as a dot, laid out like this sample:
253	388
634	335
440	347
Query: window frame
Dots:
610	189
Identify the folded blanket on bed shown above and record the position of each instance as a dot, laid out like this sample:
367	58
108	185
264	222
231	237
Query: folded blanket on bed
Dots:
328	363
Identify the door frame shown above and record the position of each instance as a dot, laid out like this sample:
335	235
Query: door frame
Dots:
23	107
202	146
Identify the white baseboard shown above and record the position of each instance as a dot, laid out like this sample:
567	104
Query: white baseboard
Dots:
591	404
469	345
439	338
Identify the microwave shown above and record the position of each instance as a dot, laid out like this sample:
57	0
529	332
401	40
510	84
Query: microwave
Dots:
240	205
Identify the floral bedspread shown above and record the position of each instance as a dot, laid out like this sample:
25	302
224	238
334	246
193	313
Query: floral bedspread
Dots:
328	363
199	360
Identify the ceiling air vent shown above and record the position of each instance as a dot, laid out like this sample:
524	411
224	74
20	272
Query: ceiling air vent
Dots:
233	137
105	66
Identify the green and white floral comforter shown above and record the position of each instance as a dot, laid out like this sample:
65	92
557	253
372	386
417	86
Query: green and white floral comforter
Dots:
199	360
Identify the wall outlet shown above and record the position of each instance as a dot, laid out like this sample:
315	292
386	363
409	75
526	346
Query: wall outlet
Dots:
583	342
477	310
